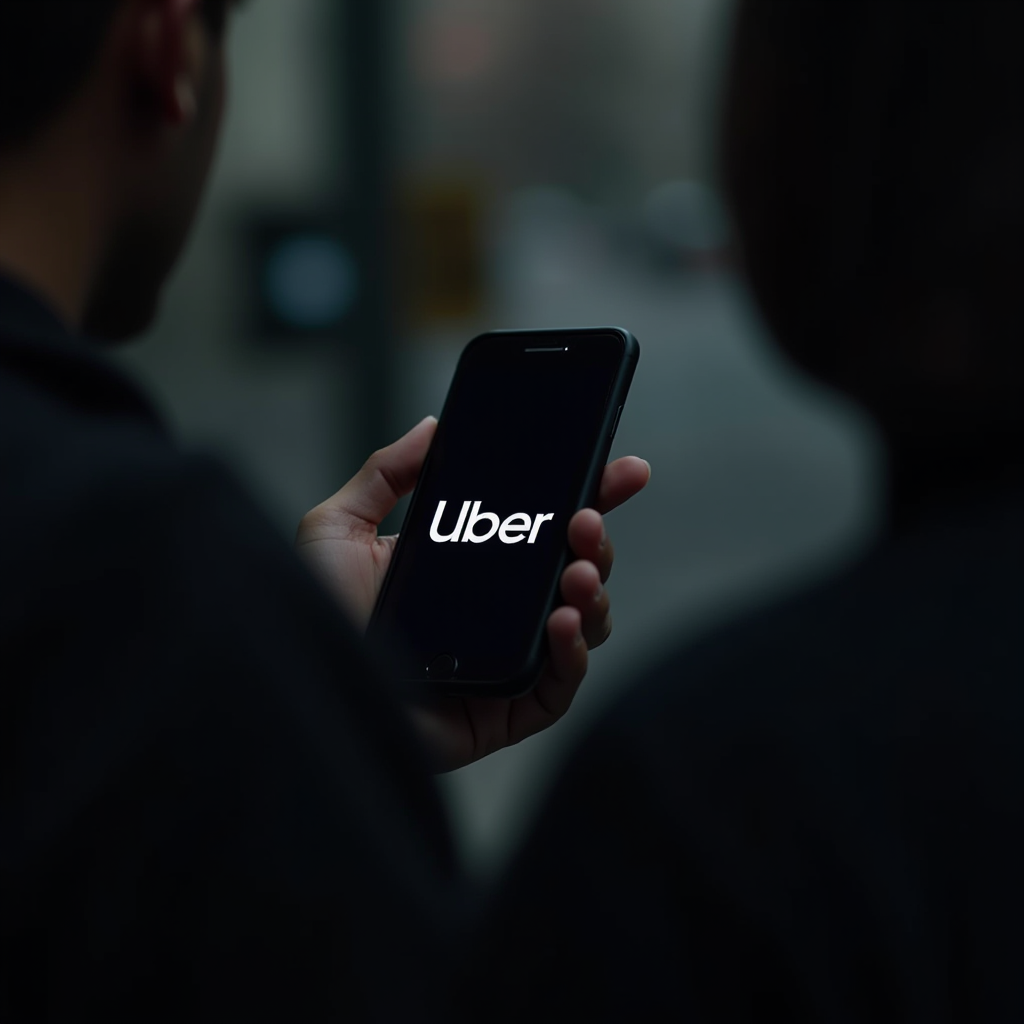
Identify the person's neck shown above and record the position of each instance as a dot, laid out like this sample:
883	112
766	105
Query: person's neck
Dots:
52	223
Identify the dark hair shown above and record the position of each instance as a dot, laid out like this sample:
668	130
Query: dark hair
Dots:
874	156
46	50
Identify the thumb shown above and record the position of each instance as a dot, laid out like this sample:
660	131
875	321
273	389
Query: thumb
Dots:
387	475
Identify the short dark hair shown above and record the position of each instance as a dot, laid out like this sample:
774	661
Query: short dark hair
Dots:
879	158
46	50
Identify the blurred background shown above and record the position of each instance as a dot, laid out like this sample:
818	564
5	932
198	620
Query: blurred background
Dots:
398	176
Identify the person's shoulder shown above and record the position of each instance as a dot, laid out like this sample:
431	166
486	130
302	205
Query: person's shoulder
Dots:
69	466
124	557
925	623
95	489
69	416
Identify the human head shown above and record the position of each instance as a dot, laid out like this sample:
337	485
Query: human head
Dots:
128	94
872	154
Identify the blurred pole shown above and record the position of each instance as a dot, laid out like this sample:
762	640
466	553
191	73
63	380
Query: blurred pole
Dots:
365	87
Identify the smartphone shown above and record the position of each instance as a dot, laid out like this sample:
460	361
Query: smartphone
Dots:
520	447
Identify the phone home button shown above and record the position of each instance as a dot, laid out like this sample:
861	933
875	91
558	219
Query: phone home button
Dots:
442	667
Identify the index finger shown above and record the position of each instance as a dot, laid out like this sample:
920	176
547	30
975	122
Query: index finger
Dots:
622	479
386	476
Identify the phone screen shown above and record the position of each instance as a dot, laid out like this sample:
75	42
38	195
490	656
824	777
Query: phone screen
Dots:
486	533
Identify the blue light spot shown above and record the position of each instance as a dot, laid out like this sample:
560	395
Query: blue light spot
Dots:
311	281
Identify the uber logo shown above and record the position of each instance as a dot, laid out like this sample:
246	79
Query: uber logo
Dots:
511	531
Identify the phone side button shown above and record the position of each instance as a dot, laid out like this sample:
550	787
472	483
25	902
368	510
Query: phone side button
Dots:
615	425
442	667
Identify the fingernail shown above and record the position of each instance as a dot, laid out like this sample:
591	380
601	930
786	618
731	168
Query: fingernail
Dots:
598	592
648	465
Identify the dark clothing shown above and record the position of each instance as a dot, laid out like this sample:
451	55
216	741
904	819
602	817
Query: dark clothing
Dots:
209	806
814	815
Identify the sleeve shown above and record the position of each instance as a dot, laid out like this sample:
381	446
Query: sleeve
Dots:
213	808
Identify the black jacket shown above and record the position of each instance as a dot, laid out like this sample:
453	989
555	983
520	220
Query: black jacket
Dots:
209	805
815	814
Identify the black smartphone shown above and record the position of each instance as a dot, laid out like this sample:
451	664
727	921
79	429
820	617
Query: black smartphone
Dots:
520	447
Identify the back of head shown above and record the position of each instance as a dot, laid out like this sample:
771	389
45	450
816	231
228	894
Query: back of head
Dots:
46	50
109	116
874	155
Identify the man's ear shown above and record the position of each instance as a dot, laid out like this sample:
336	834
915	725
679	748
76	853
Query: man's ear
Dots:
170	49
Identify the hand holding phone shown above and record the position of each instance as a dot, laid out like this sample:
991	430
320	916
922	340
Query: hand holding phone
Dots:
339	540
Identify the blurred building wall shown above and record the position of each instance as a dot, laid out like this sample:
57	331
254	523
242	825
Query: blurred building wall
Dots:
606	97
